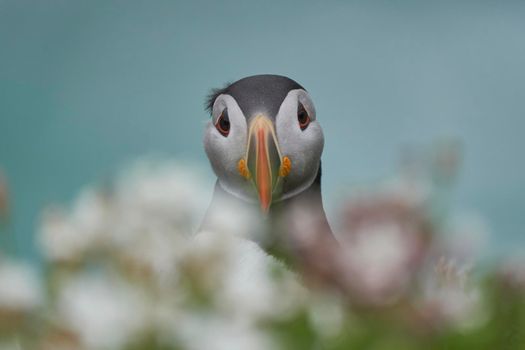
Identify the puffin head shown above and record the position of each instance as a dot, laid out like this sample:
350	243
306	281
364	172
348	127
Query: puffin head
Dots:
263	141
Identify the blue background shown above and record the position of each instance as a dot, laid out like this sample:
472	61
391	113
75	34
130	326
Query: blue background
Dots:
86	86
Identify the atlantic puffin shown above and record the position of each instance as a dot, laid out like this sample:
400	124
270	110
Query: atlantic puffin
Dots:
264	143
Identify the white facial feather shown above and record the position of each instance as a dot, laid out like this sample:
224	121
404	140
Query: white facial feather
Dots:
225	152
303	147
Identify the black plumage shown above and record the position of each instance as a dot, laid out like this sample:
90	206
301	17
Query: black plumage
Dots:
256	94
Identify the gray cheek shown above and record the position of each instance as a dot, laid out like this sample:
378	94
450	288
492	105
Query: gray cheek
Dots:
305	149
309	152
224	154
210	147
317	140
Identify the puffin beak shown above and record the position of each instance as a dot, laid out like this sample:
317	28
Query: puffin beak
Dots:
264	159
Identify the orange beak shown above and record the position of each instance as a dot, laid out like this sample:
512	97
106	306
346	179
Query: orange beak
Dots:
264	159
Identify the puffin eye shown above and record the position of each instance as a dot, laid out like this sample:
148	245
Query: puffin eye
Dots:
302	116
223	123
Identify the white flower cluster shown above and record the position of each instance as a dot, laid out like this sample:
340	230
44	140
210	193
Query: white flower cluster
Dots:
19	287
450	298
127	268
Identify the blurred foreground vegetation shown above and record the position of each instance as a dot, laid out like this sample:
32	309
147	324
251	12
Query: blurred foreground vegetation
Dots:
125	270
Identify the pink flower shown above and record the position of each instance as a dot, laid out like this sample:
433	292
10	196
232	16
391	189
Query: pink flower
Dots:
383	241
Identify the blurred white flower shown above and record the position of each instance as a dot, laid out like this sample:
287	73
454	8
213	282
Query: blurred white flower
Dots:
450	299
245	282
236	219
91	212
20	290
211	331
157	207
166	192
144	220
66	237
58	237
156	253
104	312
380	260
383	242
258	286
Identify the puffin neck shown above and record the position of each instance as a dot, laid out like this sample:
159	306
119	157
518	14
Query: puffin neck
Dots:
311	195
275	239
